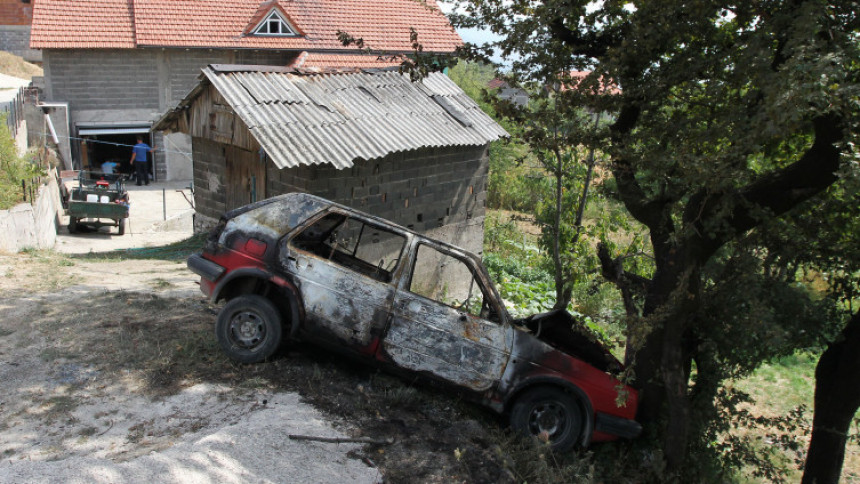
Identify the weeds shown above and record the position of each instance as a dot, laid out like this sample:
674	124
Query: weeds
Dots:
59	406
15	170
161	283
177	251
530	460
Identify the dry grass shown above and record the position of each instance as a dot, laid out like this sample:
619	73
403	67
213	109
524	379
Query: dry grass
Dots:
780	387
34	271
166	343
15	66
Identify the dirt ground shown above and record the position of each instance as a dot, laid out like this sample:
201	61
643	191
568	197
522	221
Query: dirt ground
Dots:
111	373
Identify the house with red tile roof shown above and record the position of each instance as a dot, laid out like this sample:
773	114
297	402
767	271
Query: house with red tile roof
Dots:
120	64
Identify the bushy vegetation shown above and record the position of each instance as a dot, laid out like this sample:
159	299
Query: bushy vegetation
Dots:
745	432
14	169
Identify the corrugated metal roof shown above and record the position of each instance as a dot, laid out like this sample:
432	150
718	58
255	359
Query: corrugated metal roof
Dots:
303	118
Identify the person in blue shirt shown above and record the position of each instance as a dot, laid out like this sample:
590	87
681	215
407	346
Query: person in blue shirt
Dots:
139	154
108	167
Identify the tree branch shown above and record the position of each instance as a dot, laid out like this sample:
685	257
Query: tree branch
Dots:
586	44
776	193
631	192
628	283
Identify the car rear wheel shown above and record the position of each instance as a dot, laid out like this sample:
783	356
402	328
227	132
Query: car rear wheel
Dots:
249	328
550	414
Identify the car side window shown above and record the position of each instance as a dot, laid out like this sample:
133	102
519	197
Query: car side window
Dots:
351	242
449	280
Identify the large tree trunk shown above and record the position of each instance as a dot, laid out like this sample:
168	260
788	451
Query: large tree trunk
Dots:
670	307
837	397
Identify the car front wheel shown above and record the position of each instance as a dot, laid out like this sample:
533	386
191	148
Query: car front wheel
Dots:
249	328
550	414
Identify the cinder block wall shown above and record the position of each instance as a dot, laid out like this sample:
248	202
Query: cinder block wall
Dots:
421	189
16	39
103	79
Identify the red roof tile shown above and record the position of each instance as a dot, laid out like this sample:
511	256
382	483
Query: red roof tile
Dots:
383	24
82	23
578	77
313	60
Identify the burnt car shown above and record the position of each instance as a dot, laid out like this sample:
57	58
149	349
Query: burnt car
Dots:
300	267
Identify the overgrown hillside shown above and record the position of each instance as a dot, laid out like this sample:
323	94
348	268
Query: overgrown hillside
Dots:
12	65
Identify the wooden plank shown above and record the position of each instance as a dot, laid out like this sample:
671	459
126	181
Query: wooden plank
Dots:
244	168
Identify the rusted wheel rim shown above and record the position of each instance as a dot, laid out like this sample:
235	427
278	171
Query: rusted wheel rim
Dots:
247	329
548	419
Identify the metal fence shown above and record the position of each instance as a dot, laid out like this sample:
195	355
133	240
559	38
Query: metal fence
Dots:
14	110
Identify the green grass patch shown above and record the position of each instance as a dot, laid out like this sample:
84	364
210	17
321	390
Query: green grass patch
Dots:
176	251
783	384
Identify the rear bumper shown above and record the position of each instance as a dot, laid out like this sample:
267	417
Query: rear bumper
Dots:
621	427
205	268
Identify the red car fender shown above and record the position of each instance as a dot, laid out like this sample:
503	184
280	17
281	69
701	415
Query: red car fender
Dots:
288	288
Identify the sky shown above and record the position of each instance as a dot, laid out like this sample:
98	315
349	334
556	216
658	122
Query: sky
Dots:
472	36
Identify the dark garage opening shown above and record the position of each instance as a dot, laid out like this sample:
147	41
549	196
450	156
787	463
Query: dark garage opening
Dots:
99	145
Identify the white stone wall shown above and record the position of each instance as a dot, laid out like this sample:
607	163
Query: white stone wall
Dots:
27	226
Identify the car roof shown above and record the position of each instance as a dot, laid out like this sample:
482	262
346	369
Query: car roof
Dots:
320	204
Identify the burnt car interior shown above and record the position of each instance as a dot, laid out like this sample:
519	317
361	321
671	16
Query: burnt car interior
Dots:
448	280
354	244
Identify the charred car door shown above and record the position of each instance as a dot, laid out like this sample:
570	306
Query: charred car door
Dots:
343	268
444	323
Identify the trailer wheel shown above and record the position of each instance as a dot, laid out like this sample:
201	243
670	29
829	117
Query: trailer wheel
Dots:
73	225
121	229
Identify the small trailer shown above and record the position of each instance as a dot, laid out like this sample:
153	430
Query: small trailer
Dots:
99	200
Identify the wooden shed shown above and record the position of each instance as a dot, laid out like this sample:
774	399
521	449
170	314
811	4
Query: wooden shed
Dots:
413	152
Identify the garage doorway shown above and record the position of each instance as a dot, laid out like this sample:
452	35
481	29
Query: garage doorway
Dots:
103	144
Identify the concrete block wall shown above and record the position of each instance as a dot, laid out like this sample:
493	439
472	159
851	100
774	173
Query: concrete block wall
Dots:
102	79
138	85
442	191
16	39
182	70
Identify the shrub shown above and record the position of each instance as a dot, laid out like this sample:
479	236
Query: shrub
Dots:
14	169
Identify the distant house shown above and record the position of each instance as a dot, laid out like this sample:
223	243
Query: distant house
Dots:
120	64
412	152
585	81
15	19
516	95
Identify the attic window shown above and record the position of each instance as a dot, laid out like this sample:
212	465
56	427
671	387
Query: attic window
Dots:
275	25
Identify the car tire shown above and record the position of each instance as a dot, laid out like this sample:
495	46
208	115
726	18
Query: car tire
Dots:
552	412
121	227
73	225
249	328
